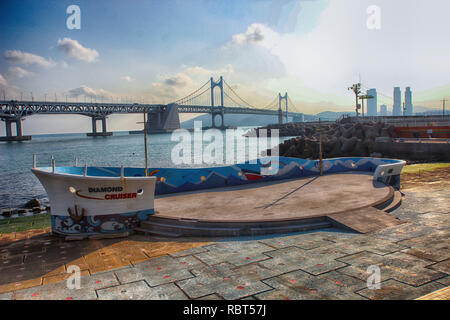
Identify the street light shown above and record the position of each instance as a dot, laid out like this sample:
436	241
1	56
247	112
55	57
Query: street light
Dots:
356	88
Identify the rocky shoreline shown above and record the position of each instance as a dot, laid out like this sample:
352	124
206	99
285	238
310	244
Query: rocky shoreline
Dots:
32	207
338	140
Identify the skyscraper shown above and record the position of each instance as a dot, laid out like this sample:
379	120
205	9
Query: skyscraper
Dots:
372	104
383	110
397	109
408	102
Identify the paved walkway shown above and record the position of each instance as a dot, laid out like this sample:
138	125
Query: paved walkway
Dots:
413	258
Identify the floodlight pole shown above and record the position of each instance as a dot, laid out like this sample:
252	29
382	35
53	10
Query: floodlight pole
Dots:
145	142
320	149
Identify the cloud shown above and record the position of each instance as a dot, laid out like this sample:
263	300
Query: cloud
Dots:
75	50
127	78
206	73
25	58
178	80
256	33
18	72
173	87
6	90
90	93
2	80
319	64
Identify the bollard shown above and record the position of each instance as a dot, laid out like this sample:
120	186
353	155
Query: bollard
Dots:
34	160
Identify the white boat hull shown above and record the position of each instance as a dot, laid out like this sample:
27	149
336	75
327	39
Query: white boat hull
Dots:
92	205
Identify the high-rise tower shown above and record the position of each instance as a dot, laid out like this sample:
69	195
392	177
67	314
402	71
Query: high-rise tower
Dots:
372	104
408	102
397	109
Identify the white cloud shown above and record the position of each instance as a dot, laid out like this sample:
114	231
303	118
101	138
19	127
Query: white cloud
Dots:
75	50
25	58
127	78
2	80
85	91
321	64
7	91
18	72
205	73
257	33
173	87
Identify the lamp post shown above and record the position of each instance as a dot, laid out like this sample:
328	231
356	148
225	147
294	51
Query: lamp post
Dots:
356	88
320	149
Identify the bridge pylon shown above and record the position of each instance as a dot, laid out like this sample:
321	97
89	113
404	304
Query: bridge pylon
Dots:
9	120
94	132
219	110
280	112
9	132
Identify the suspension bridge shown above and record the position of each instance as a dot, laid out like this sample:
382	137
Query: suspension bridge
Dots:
161	117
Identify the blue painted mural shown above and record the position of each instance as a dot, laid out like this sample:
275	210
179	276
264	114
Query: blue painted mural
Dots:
172	180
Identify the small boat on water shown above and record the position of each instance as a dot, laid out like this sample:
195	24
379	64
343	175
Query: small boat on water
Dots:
93	201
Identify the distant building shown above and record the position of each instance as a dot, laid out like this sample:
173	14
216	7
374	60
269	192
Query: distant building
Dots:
408	102
397	109
372	104
383	110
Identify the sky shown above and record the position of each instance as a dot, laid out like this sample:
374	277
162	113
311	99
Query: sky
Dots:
159	51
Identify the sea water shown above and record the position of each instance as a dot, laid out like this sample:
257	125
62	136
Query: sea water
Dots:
18	185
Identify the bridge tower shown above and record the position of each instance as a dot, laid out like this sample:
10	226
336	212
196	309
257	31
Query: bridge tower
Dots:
280	112
219	110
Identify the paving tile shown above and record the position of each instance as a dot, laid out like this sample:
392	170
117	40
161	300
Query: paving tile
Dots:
20	273
399	266
99	280
6	296
227	281
368	243
210	297
443	266
56	291
300	285
141	291
315	261
53	278
188	252
395	290
8	261
160	270
434	247
445	281
234	252
441	294
304	241
405	231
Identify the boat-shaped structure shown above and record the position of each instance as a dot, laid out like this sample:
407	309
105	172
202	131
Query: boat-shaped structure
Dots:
111	200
